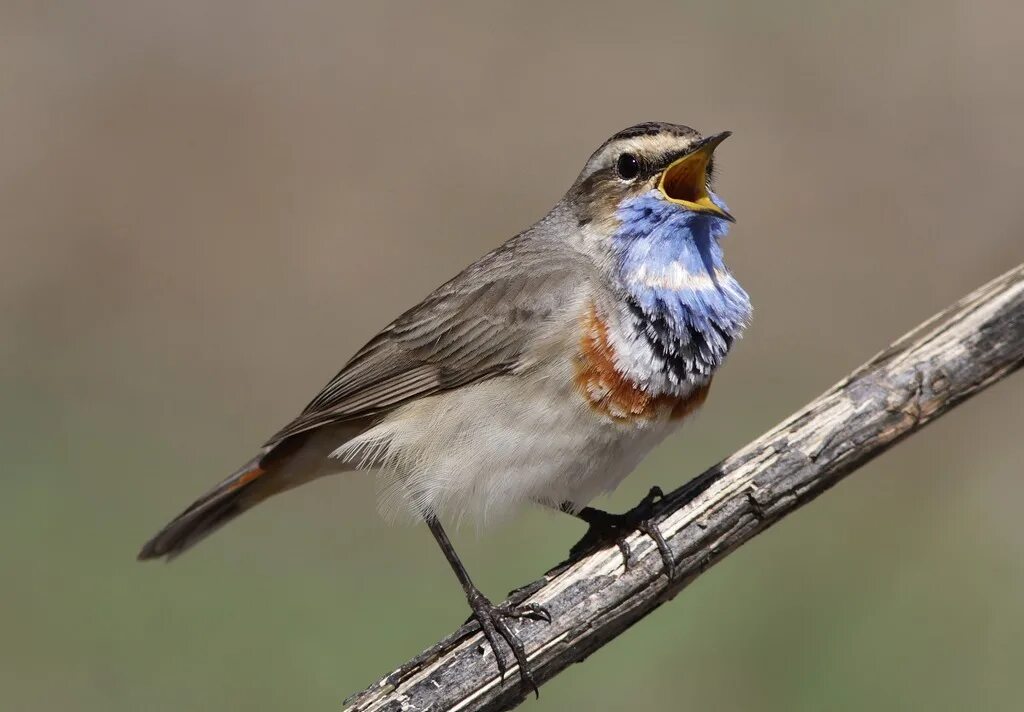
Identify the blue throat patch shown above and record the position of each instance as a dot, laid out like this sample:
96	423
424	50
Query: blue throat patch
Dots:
690	307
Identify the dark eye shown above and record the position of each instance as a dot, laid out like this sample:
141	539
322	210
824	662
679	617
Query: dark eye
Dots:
628	166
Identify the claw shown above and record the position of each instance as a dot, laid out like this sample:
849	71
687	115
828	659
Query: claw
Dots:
606	528
533	611
649	528
493	622
627	553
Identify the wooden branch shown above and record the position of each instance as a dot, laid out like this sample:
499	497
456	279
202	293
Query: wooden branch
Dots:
592	600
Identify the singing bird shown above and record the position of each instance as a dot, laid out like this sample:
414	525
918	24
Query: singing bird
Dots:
542	373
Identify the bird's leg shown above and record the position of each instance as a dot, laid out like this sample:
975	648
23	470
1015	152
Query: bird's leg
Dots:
493	620
606	528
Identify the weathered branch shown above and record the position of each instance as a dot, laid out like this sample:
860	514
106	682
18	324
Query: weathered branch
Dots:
592	600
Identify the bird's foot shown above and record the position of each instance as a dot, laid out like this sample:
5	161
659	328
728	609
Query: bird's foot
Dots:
606	528
493	621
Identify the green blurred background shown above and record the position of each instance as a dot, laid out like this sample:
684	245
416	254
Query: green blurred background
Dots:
206	207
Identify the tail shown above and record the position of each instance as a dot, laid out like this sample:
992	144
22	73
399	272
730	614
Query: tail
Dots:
279	467
213	510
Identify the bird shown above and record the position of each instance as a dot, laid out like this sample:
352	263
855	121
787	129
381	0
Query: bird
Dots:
539	375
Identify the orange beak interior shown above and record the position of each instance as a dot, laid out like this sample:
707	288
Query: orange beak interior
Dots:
685	181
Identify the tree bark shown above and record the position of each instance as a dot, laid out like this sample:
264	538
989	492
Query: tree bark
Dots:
593	599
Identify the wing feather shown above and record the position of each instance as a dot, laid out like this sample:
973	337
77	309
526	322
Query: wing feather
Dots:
476	326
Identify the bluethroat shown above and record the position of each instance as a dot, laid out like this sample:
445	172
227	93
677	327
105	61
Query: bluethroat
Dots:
541	374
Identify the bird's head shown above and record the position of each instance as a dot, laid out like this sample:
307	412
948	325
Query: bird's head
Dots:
645	199
668	166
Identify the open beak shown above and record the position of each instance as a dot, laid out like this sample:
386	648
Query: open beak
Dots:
685	181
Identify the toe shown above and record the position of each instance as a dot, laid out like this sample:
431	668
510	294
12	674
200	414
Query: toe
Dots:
627	554
491	635
534	611
651	529
519	652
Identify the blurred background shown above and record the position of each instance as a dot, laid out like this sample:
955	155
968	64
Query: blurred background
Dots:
205	208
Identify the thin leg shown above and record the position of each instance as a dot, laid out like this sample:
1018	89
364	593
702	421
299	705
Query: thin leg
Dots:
606	528
492	619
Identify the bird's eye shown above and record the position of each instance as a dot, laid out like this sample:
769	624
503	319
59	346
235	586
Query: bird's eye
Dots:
628	166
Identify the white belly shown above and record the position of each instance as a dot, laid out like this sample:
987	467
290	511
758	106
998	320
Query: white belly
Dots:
482	450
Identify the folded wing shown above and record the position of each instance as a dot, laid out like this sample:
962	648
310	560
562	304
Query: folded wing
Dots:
480	324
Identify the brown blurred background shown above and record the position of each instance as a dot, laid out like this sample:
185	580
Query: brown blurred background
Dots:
206	207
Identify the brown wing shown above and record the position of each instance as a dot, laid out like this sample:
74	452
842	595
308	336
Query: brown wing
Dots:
474	327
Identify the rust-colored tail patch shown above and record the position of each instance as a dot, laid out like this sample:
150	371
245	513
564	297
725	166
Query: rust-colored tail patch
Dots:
204	516
246	477
614	395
